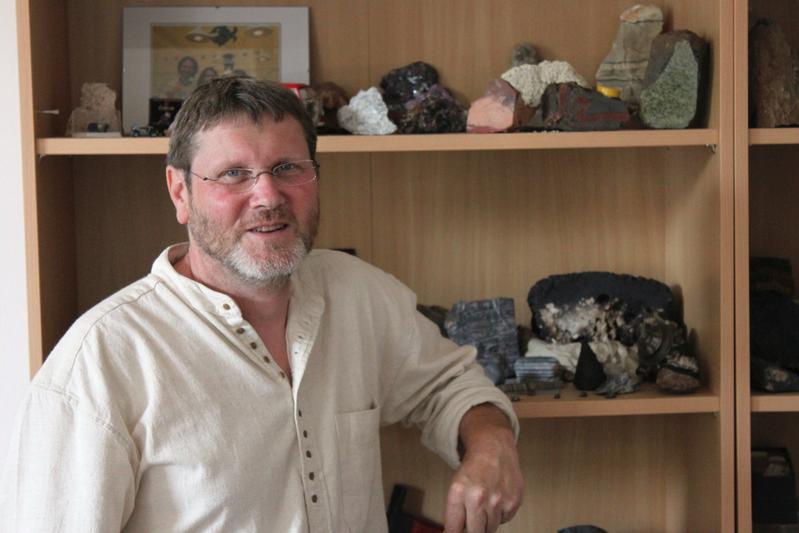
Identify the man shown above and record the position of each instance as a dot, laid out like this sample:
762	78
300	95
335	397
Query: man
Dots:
241	385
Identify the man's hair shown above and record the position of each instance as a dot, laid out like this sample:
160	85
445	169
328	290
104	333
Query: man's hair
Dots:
231	97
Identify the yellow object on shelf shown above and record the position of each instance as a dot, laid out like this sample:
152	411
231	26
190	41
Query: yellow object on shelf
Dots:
611	92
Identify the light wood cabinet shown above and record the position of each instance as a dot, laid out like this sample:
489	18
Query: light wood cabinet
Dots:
455	217
765	217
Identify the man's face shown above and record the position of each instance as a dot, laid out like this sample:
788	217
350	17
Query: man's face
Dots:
260	236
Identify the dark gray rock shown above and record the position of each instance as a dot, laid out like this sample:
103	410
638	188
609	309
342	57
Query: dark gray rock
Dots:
679	374
432	111
490	326
675	80
523	54
569	107
769	377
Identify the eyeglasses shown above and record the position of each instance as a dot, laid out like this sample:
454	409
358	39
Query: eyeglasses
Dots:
290	174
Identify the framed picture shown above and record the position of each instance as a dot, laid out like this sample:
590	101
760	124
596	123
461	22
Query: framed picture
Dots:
168	51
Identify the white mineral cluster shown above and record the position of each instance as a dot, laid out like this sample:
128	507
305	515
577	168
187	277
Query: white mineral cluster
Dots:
532	80
97	105
366	114
616	358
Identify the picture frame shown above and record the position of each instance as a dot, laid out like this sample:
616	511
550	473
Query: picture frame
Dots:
167	51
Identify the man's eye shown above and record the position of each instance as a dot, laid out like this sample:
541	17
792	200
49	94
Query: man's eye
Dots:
285	168
235	174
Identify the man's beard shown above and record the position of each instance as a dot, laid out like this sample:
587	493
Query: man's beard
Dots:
271	270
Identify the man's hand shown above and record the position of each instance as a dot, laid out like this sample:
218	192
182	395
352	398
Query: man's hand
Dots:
487	489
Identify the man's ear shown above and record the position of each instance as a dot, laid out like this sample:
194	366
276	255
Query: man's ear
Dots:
178	192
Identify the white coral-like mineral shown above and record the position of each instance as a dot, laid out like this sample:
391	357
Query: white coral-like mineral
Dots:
532	80
366	114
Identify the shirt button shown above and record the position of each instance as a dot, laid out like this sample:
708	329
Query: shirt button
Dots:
313	498
299	413
266	360
305	434
311	476
253	345
283	375
308	454
226	307
240	330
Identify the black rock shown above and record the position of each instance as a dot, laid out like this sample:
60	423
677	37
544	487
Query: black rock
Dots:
405	83
569	107
589	374
559	304
432	111
769	377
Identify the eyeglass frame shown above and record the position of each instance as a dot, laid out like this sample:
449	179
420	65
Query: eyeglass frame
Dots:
257	173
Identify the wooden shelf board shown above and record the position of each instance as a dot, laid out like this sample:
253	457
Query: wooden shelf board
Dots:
765	402
649	400
774	136
414	143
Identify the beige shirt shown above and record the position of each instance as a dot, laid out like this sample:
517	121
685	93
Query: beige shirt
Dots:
160	410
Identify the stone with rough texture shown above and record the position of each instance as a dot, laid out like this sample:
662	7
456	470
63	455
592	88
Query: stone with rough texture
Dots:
589	374
773	80
523	54
674	81
366	114
569	107
532	80
432	111
97	106
620	384
625	65
332	97
772	378
501	109
679	375
403	84
489	326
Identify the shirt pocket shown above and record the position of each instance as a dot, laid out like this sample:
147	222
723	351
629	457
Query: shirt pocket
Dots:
358	463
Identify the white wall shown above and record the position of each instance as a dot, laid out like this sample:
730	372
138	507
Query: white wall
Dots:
13	298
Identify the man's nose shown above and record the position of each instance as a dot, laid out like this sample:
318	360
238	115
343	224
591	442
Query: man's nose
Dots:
266	191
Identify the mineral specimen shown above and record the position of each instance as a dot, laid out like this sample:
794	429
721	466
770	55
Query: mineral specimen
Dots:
674	80
523	54
589	374
679	374
615	385
332	98
405	83
501	109
625	65
532	80
769	377
490	326
366	114
433	111
773	80
539	370
569	107
97	106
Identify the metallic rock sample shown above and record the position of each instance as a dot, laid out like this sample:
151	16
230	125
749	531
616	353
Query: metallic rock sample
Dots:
674	81
532	80
433	111
490	326
501	109
569	107
773	80
625	65
366	114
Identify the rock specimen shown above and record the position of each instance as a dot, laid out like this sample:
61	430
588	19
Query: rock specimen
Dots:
542	372
621	384
523	54
97	107
405	83
772	378
366	114
332	97
679	374
625	65
569	107
773	80
532	80
501	109
589	374
432	111
674	80
490	326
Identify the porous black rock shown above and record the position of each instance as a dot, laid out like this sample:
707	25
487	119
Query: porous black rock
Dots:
589	374
559	304
489	326
569	107
403	84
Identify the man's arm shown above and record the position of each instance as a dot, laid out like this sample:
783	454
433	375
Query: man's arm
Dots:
487	488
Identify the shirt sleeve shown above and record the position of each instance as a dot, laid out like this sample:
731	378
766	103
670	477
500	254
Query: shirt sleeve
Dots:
66	470
437	383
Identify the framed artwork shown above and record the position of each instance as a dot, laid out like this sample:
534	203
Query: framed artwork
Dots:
168	51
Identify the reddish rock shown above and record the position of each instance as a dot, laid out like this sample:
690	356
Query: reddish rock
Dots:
501	109
569	107
773	87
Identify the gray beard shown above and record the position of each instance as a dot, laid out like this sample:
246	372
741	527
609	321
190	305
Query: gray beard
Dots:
273	272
